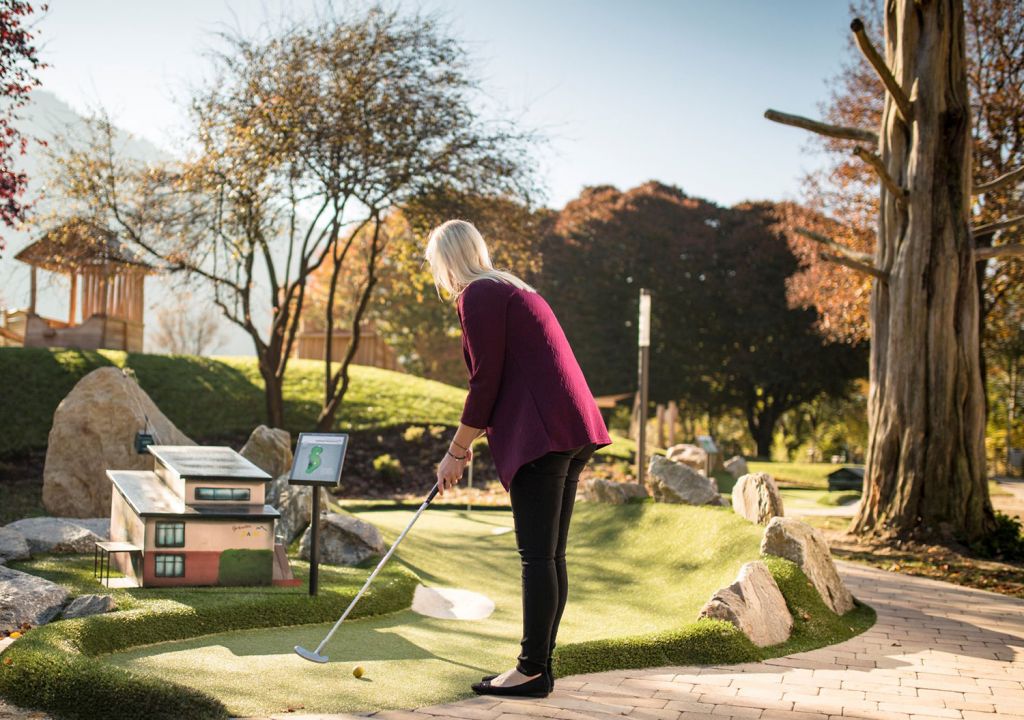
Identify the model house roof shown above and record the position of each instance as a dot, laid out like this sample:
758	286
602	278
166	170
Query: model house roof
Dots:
193	462
148	496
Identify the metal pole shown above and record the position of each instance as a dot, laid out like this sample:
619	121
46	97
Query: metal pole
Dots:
643	363
314	542
469	483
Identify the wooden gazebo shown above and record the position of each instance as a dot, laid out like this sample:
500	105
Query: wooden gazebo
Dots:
107	281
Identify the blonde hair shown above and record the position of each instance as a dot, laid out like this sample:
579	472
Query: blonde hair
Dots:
458	255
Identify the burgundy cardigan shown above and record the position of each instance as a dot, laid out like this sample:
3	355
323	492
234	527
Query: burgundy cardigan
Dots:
525	386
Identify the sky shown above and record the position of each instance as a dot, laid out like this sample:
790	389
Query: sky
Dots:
624	92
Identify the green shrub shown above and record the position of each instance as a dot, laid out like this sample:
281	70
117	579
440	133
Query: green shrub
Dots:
387	467
436	431
246	567
1005	542
414	434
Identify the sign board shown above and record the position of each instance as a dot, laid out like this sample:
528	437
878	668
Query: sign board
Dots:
645	319
318	459
708	444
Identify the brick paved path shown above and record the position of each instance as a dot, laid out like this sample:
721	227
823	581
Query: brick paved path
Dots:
937	651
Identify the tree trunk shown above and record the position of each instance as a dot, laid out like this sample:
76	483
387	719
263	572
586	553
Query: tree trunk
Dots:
925	472
274	396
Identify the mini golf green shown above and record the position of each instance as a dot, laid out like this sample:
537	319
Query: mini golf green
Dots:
633	569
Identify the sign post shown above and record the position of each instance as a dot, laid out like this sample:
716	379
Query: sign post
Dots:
643	364
318	461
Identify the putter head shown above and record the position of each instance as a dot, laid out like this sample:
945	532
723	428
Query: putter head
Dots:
309	655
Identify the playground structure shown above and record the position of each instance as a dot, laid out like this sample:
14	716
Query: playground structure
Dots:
107	292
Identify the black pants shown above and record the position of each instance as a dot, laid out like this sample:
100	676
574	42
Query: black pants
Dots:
542	494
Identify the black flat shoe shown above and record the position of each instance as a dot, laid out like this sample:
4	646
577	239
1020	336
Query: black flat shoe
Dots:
537	687
547	674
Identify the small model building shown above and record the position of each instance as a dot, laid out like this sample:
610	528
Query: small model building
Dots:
198	518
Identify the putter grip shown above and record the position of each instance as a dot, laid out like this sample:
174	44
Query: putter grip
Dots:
433	493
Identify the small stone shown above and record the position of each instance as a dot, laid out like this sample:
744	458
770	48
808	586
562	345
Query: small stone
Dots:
799	542
675	482
27	600
344	540
693	455
613	493
756	497
754	604
13	545
736	466
85	605
56	535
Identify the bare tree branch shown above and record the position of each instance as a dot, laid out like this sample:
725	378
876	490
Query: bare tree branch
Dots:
1005	179
997	225
815	126
835	247
876	164
878	63
1008	250
855	265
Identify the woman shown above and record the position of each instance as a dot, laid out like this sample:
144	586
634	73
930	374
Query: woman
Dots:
527	392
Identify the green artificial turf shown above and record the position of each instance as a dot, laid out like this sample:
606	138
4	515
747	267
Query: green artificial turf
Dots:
639	575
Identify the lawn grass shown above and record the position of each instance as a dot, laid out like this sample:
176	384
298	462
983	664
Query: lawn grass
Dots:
639	575
221	396
812	476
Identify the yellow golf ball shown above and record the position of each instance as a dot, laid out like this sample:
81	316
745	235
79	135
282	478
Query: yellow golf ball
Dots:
358	671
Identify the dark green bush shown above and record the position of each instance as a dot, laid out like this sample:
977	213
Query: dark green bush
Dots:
1005	542
246	567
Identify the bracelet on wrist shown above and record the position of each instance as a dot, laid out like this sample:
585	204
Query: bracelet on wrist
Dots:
461	447
455	456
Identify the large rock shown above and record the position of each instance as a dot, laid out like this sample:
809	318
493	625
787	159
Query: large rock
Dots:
94	430
674	482
28	599
269	449
13	546
693	455
344	540
274	488
736	466
607	491
295	503
799	542
85	605
756	497
56	535
754	604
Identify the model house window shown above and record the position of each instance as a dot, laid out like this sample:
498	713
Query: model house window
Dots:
170	534
217	493
170	565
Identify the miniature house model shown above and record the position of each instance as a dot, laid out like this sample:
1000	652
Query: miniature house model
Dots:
106	288
198	518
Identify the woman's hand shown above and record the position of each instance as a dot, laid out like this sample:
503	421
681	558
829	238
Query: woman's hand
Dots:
450	469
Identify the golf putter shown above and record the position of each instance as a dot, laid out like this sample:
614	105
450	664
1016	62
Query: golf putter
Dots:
314	655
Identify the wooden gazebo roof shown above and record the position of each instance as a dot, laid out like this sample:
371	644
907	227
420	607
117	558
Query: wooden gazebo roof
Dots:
76	245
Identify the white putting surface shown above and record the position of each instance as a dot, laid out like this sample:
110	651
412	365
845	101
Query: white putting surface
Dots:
451	603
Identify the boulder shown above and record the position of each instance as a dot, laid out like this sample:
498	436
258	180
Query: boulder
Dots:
607	491
269	449
693	455
736	466
295	503
13	546
344	540
56	535
754	604
85	605
799	542
274	488
756	497
94	430
28	599
674	482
